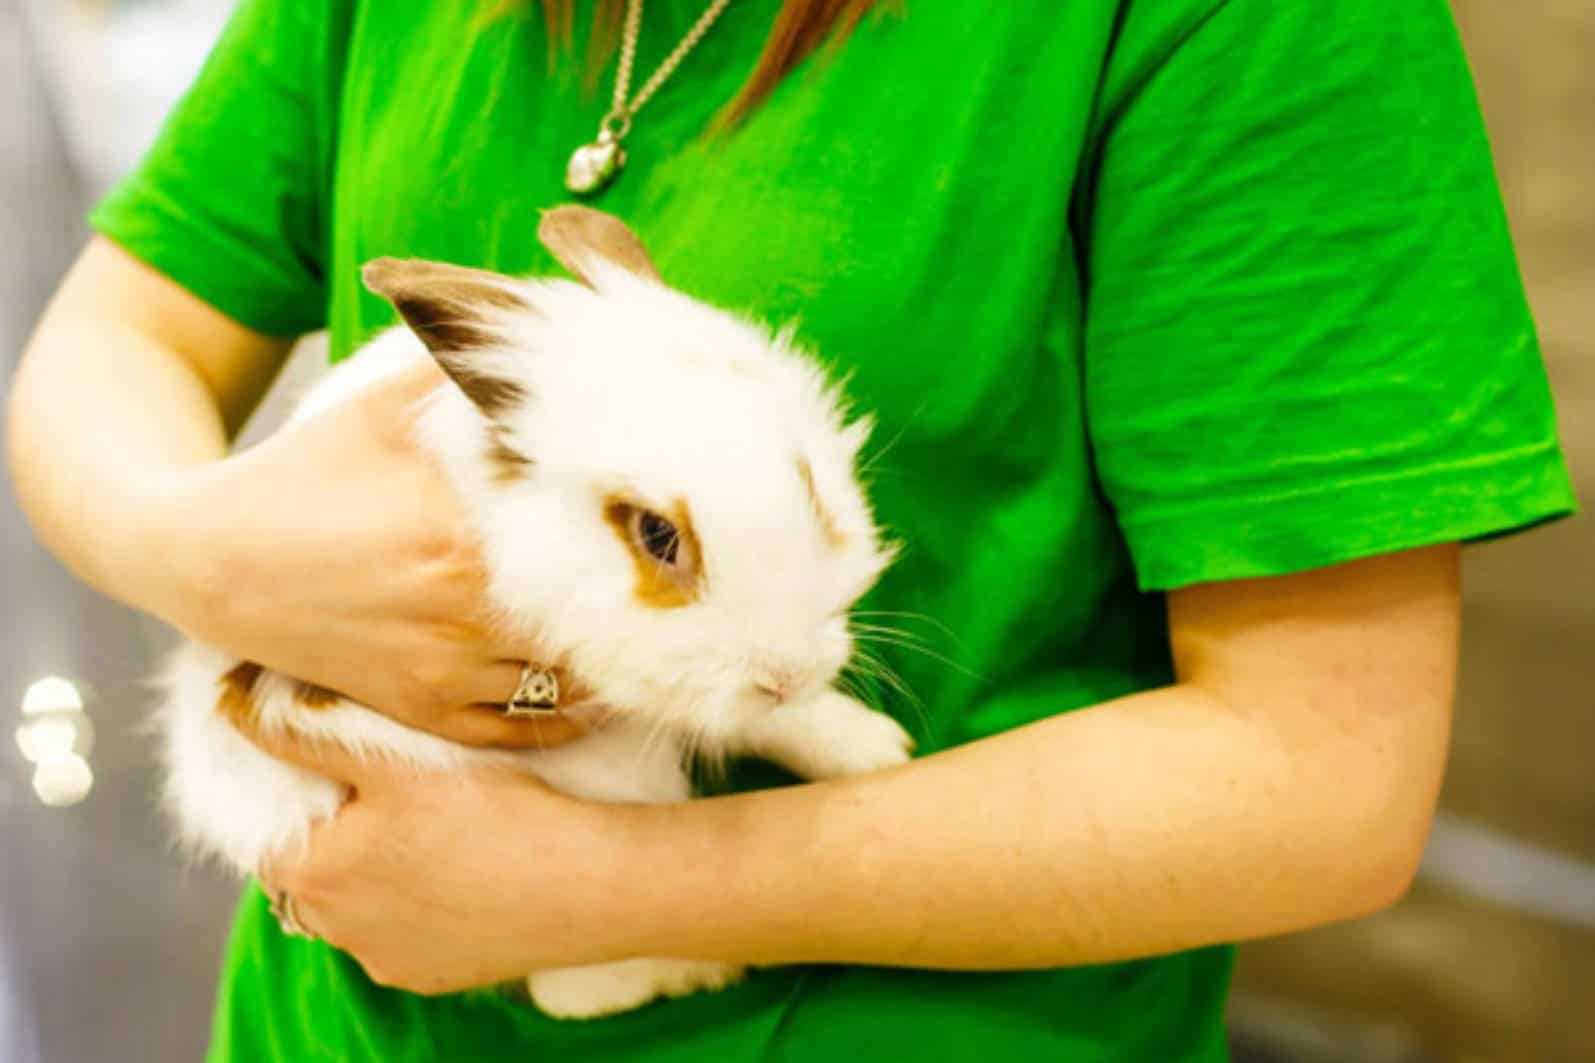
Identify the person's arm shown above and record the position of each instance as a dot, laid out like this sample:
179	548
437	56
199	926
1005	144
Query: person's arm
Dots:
1287	779
128	382
335	551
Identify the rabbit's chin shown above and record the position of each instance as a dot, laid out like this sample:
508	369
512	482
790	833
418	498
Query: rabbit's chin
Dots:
712	725
709	726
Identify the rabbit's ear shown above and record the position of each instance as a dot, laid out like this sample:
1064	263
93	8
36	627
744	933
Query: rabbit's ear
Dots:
455	311
577	235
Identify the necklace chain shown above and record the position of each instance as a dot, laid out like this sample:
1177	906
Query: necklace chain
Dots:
628	56
592	166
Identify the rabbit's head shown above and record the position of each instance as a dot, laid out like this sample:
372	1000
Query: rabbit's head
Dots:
665	492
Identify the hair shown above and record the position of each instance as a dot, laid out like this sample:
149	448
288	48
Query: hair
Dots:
800	28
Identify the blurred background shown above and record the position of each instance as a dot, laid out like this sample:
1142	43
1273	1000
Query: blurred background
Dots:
109	946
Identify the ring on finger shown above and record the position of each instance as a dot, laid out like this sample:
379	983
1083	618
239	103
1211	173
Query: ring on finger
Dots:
282	908
536	696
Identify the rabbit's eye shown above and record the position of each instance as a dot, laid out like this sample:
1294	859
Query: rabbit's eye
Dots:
665	550
658	536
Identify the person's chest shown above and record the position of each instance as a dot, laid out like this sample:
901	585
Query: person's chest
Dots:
905	199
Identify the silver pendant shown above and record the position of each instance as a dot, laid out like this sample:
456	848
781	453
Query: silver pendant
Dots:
592	166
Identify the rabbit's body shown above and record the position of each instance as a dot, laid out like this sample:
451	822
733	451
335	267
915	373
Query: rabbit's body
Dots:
586	420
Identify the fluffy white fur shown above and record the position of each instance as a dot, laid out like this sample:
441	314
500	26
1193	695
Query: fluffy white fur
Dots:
631	388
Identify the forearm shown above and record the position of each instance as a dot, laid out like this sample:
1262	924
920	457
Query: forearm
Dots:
1155	823
88	463
101	417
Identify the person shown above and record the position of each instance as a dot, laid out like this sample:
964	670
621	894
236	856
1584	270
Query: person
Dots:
1198	348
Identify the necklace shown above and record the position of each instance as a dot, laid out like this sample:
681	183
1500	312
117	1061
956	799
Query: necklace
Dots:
592	166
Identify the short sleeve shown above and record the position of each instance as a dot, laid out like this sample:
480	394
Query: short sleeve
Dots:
231	200
1307	339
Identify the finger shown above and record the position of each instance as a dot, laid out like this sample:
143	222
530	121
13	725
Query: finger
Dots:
282	872
572	690
401	388
494	683
486	726
289	908
417	378
279	870
316	755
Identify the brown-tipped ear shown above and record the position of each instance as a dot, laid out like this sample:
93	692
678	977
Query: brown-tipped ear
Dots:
451	310
576	234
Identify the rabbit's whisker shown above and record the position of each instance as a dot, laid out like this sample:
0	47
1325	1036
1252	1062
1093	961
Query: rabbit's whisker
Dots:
899	614
873	667
882	640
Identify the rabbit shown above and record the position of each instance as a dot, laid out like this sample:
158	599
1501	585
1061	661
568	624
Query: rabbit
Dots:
665	495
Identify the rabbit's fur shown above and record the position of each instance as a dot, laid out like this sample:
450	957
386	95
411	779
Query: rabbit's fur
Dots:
576	409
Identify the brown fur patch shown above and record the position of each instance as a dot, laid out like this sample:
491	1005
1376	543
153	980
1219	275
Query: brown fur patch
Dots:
658	585
314	697
828	523
236	702
494	396
441	282
508	464
572	233
451	309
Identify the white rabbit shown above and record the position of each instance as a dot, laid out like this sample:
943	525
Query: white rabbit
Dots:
665	498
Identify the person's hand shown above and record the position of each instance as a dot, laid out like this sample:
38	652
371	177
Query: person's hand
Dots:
336	552
438	883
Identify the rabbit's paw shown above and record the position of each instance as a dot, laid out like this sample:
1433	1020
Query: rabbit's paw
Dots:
830	736
870	741
609	988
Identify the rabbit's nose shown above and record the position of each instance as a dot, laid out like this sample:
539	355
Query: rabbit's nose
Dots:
777	684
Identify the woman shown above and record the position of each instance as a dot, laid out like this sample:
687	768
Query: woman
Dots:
1196	332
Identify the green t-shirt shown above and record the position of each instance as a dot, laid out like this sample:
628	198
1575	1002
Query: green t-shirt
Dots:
1143	292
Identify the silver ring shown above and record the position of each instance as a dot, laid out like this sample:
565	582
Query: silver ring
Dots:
536	697
282	908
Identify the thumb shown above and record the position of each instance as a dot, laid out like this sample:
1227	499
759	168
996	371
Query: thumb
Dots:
412	381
